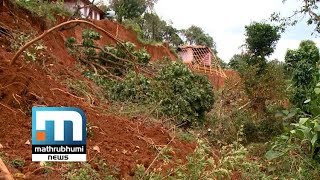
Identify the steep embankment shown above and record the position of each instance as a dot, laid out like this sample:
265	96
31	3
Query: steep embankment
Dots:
123	142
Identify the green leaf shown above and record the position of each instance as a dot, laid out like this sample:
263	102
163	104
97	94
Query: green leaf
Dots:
317	90
317	127
286	112
314	139
303	120
290	115
272	154
293	131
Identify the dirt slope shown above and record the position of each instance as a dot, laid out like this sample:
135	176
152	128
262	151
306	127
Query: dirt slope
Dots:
122	142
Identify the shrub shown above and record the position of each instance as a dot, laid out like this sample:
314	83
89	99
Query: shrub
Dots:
301	65
303	134
180	93
183	95
133	88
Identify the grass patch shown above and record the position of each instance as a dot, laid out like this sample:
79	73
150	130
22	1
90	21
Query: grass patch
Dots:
45	9
185	136
18	163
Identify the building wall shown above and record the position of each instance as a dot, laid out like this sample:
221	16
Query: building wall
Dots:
98	16
186	55
84	11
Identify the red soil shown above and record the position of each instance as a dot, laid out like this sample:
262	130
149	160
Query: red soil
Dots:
123	142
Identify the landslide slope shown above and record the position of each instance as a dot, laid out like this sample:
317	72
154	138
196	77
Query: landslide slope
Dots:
122	142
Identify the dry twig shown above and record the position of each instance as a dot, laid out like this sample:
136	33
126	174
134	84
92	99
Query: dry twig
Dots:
159	154
57	89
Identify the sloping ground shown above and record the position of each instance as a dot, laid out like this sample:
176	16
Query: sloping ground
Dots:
123	143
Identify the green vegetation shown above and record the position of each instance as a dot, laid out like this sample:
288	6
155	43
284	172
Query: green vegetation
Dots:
264	83
173	91
116	57
261	39
45	9
182	94
84	171
196	35
33	53
18	163
263	125
128	9
302	66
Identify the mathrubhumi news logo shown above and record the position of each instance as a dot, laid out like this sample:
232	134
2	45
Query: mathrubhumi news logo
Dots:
58	134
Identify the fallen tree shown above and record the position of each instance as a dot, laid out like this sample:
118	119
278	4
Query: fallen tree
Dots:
45	33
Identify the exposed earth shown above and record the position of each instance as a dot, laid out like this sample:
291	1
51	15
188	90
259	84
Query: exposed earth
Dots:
121	142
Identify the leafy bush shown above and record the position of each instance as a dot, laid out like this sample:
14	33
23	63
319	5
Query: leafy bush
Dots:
303	134
178	92
301	65
133	88
183	95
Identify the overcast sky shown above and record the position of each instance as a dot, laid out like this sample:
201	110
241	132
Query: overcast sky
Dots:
225	21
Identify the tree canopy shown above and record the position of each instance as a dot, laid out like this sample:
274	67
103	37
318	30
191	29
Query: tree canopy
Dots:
301	65
196	35
261	39
128	9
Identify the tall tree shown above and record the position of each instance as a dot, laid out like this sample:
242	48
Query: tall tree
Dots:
128	9
301	64
171	35
259	75
153	26
196	35
261	39
150	4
